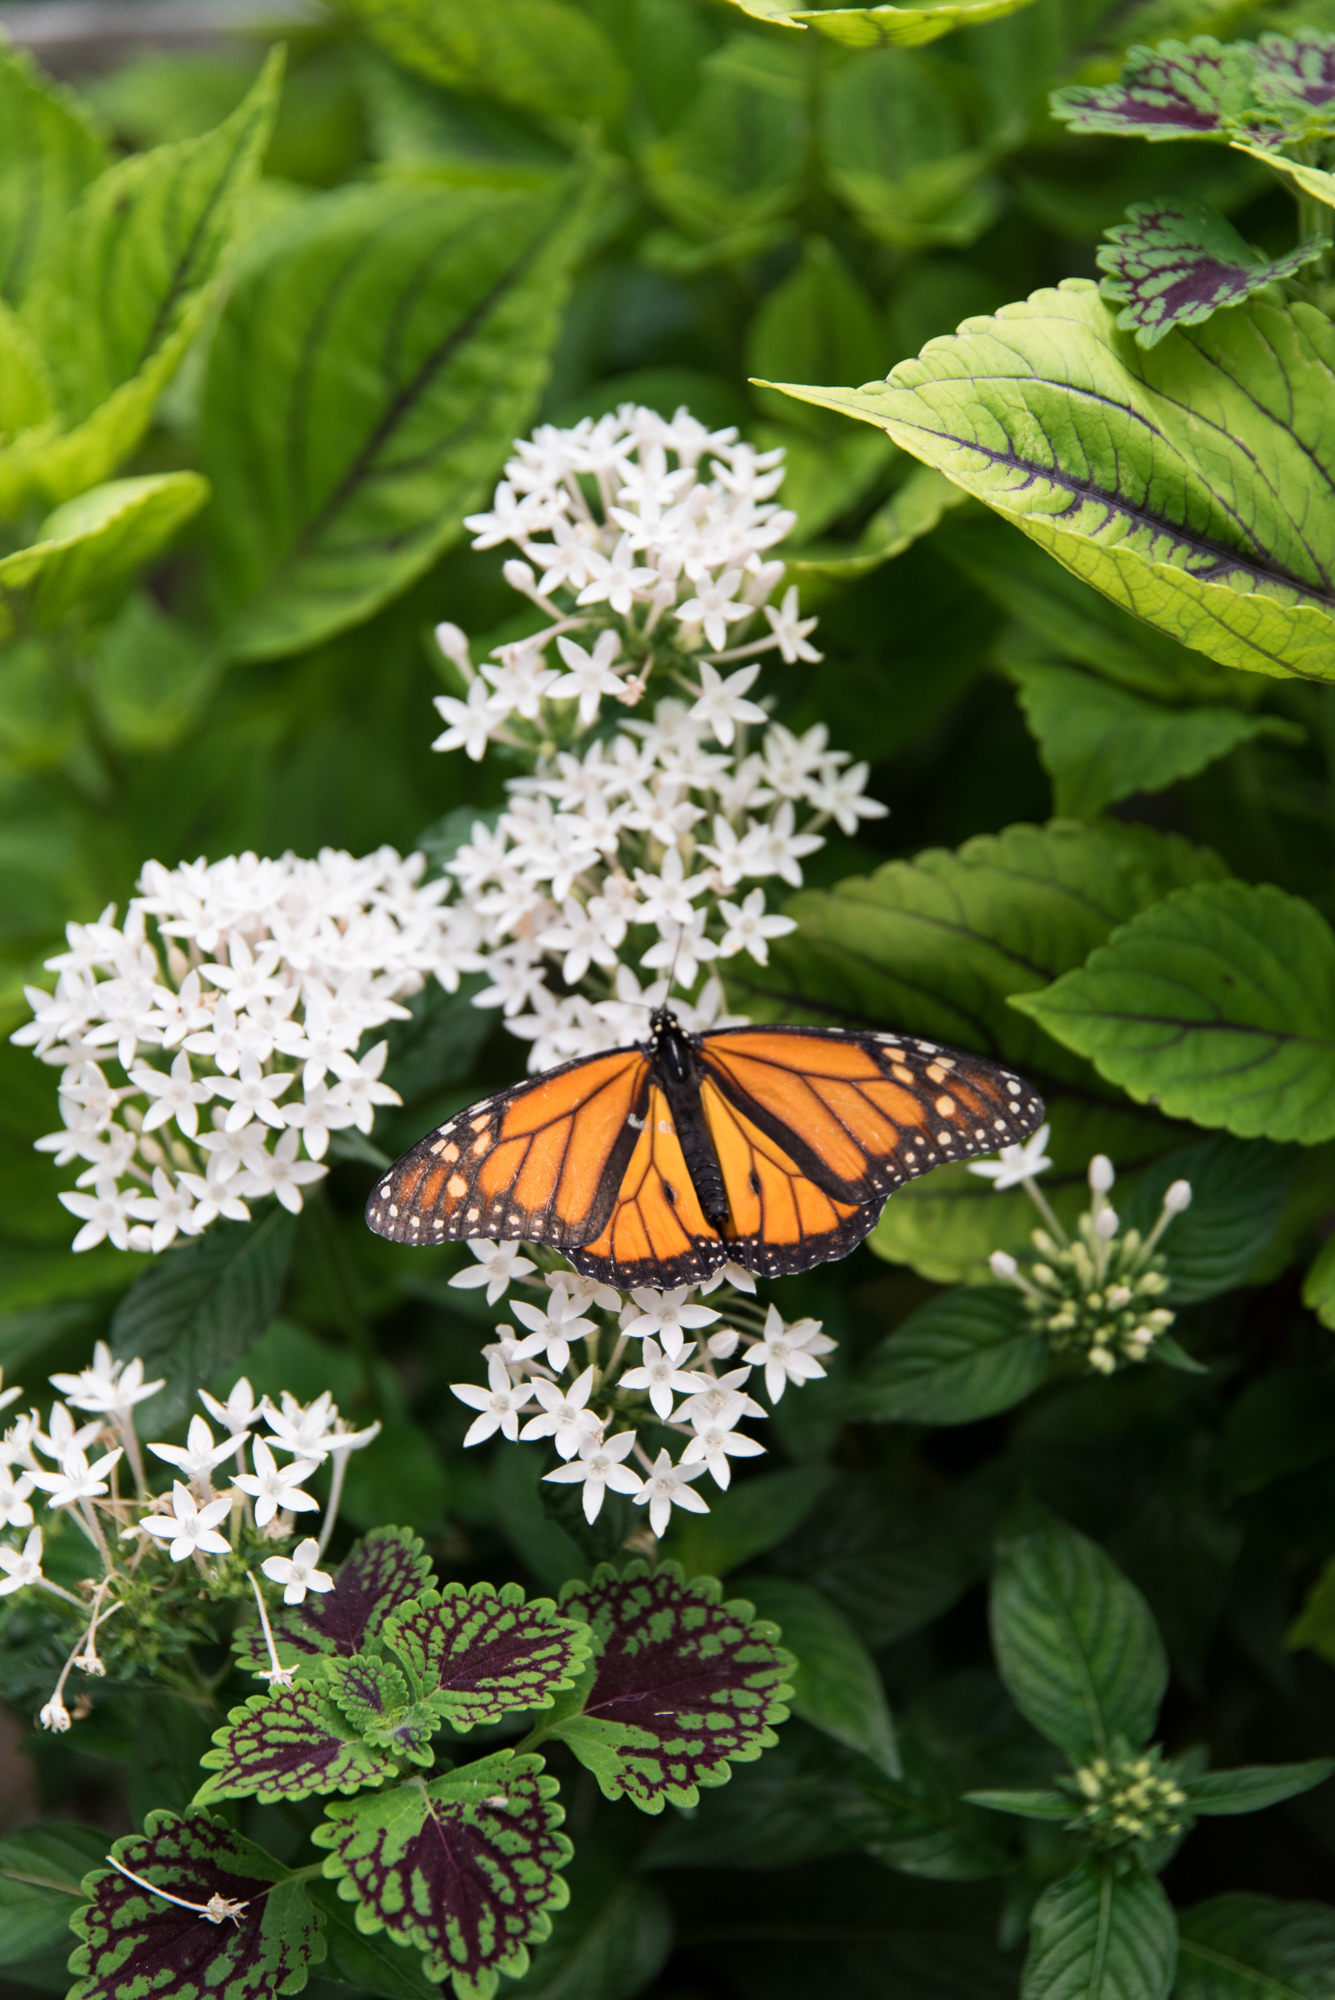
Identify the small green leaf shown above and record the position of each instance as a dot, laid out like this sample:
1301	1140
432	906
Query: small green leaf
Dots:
731	169
1075	1641
819	323
289	1744
683	1685
1218	1003
1100	1934
41	1885
1026	1805
536	55
965	1355
132	1937
1244	1947
50	148
463	1869
1173	263
1207	89
199	1307
899	149
375	1698
836	1685
475	1655
91	543
1101	743
884	27
1253	1787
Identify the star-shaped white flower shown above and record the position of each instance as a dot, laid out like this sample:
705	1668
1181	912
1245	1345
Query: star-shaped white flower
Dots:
660	1374
790	630
1015	1163
498	1266
788	1353
298	1572
550	1333
750	927
199	1455
500	1403
589	676
471	724
275	1488
22	1567
77	1479
721	706
190	1529
668	1316
566	1417
599	1468
666	1486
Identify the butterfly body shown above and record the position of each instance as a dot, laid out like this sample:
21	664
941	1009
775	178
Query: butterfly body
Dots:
773	1148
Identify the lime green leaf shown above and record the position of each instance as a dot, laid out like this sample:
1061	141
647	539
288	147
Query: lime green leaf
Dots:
462	1869
836	1685
1176	479
1255	1786
1243	1947
913	511
1100	743
93	542
1218	1003
884	27
537	55
50	148
289	1744
965	1355
379	350
1101	1935
41	1877
1312	180
899	150
25	385
1075	1642
1173	263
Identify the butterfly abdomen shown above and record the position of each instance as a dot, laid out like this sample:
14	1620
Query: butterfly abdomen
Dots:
677	1074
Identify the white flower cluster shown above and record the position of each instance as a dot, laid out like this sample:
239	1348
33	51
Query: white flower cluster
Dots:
78	1468
1092	1295
676	1384
633	845
212	1039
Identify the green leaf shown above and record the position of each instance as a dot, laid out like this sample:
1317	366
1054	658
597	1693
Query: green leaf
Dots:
92	542
537	55
379	349
732	167
1176	479
1207	89
198	1308
912	511
898	148
1100	743
41	1875
934	947
1027	1805
1074	1639
1251	1788
149	678
374	1964
289	1744
146	241
383	1570
131	1936
1101	1935
1218	1003
683	1685
746	1520
475	1655
374	1696
1238	1194
1319	1284
1173	263
884	27
463	1869
818	324
836	1685
1243	1947
25	386
965	1355
611	1940
1312	180
50	148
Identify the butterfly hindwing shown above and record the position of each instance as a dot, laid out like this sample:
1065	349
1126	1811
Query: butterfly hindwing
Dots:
541	1162
780	1219
656	1233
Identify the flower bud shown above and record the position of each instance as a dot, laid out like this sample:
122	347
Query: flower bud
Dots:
1101	1174
1178	1197
723	1345
1106	1224
453	642
1003	1266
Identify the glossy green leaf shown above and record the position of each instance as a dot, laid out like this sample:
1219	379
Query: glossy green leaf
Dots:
1218	1003
965	1355
1238	1194
1101	1934
836	1686
91	543
378	351
537	55
1245	1947
475	1655
1252	1788
1100	743
50	148
1213	542
1075	1642
41	1875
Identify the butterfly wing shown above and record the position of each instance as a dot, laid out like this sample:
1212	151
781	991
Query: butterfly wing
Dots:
815	1127
543	1161
656	1233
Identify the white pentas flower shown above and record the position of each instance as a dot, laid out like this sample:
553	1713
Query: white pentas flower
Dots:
211	1043
190	1529
299	1572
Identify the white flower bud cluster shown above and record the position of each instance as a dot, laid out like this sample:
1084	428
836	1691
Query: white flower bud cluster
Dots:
630	847
92	1474
211	1041
1092	1295
594	1405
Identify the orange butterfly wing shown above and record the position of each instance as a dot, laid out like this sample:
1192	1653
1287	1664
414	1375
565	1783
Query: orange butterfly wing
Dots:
656	1233
541	1162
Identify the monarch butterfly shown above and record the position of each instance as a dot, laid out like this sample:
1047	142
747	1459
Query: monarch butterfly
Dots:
772	1148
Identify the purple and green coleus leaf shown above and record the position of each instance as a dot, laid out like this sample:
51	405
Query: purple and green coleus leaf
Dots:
291	1744
463	1869
1173	263
1273	92
682	1686
476	1655
375	1698
253	1931
383	1570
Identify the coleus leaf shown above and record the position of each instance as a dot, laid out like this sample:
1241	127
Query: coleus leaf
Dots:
258	1940
682	1684
883	27
1277	91
1173	263
291	1744
476	1655
463	1870
375	1698
383	1570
